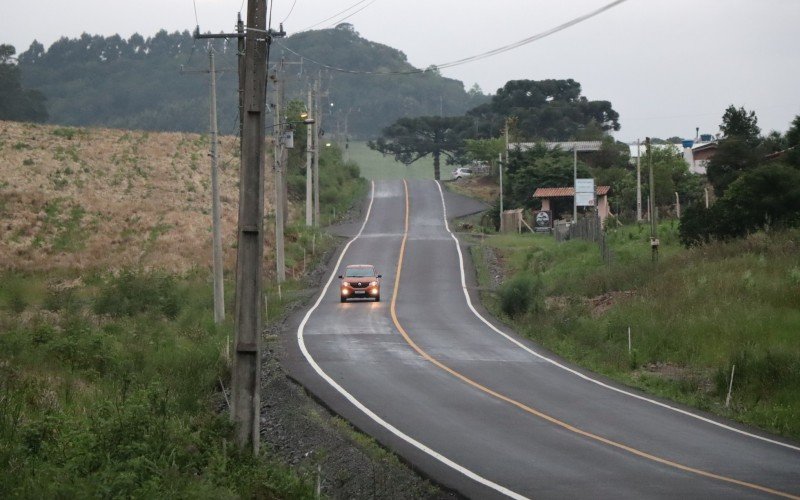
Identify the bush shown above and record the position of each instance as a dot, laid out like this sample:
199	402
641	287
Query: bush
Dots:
521	294
135	292
767	196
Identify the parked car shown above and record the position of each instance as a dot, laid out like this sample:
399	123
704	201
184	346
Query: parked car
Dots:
360	281
461	172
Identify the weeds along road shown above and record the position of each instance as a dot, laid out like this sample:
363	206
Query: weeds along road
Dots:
488	414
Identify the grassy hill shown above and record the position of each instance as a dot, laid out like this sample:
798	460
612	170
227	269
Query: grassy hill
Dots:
81	198
112	369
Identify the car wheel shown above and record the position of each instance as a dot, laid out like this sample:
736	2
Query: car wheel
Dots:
377	298
343	299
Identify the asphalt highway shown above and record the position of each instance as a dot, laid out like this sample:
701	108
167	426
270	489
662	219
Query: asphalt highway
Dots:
482	411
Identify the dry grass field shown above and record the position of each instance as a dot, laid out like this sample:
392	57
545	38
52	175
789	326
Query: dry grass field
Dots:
85	198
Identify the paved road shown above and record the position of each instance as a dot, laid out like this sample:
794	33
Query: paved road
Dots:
487	413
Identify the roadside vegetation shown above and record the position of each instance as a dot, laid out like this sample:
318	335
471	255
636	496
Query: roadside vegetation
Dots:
110	386
692	315
112	370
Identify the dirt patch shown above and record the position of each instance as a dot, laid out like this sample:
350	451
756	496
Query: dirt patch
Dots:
701	380
481	187
495	266
602	303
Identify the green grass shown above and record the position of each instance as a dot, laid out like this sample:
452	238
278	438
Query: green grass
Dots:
692	315
375	166
105	394
110	383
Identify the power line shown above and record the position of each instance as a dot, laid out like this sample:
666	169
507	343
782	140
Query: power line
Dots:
290	11
464	60
354	13
194	3
335	15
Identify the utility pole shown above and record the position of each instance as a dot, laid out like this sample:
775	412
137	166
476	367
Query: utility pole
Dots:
216	240
653	215
500	165
219	295
277	158
246	383
575	182
638	181
317	131
309	152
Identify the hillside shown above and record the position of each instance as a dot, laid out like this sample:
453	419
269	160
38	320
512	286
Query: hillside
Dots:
102	198
140	83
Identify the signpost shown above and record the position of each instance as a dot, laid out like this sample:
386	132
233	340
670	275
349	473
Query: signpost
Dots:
584	192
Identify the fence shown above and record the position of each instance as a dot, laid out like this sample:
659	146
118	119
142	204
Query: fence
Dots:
587	228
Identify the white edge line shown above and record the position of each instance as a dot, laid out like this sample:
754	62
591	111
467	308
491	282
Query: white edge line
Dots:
301	341
577	373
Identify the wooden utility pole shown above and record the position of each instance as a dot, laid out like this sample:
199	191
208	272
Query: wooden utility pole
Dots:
309	153
317	131
246	383
219	295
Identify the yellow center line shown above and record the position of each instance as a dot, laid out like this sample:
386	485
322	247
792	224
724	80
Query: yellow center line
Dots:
533	411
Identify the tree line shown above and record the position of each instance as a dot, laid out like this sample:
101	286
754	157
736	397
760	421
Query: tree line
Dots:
145	83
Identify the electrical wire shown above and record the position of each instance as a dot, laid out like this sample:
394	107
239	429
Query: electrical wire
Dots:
194	3
335	15
269	24
290	12
469	59
353	14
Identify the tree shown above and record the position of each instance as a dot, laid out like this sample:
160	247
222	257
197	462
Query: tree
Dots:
740	123
484	150
539	167
768	196
546	110
738	152
17	103
793	142
409	139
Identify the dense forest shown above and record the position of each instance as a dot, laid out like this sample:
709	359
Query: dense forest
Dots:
153	83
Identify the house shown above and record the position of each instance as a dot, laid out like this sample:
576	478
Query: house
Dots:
579	146
698	155
548	194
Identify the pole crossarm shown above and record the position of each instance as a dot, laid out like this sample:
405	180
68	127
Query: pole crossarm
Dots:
271	33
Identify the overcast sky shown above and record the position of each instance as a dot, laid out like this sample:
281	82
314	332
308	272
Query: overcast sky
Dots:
667	66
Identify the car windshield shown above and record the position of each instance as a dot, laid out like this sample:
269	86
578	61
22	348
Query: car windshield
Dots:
360	272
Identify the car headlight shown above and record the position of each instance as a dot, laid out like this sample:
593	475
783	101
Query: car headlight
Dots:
373	283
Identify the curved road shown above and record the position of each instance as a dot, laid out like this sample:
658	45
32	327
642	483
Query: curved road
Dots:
487	413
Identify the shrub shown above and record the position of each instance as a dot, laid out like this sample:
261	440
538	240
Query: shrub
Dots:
135	292
521	294
767	196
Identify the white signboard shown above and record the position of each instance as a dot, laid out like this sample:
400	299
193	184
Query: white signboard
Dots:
584	186
584	199
584	192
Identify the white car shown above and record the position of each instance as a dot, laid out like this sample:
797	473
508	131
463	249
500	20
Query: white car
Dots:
461	172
